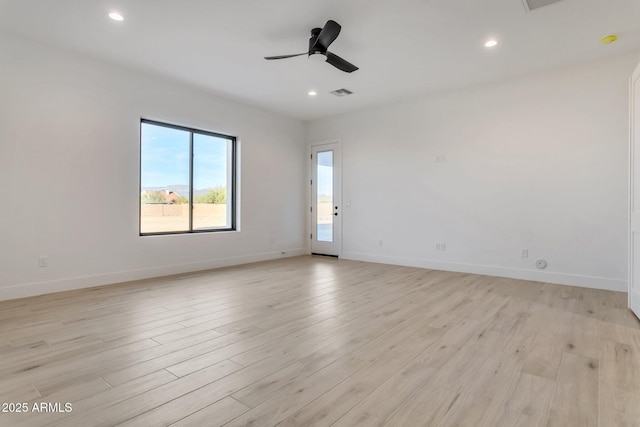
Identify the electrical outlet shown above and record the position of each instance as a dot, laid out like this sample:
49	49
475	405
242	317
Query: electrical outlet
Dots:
43	261
379	242
441	158
272	240
441	246
524	253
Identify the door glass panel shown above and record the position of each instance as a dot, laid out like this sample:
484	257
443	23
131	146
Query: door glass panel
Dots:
324	190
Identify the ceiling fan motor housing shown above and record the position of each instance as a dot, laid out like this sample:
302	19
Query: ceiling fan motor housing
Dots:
313	49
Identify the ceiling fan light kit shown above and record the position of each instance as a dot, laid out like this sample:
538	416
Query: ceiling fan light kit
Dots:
319	43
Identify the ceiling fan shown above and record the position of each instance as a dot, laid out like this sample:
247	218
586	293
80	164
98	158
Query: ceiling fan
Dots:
319	42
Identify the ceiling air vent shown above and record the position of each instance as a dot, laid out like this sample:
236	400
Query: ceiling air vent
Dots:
342	92
537	4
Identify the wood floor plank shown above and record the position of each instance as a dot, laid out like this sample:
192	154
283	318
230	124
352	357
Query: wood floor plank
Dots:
620	365
546	352
300	393
50	377
399	348
162	395
376	406
575	400
528	405
584	336
166	355
92	404
479	403
382	336
422	405
216	414
617	407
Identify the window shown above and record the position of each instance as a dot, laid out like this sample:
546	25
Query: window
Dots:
187	180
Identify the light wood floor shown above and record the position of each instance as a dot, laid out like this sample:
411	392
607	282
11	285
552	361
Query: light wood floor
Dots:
316	341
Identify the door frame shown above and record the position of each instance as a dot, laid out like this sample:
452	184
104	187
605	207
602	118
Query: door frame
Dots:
634	169
310	232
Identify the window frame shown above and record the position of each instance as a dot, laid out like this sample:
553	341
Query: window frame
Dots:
234	179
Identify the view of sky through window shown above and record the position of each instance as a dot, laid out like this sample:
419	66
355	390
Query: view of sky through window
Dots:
165	157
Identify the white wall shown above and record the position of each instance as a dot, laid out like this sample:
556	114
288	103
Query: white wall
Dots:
539	163
69	136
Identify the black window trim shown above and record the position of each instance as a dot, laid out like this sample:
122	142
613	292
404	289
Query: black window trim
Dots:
192	131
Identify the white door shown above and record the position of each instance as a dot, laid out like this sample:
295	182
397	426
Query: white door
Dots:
326	214
634	240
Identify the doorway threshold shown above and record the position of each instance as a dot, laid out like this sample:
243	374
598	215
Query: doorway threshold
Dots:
330	256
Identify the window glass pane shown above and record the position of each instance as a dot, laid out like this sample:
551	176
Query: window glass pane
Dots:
324	203
164	179
186	179
211	182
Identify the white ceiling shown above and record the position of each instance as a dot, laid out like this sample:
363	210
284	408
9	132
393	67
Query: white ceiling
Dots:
404	48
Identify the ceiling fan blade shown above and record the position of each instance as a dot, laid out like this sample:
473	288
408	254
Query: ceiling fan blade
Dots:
284	56
340	63
328	34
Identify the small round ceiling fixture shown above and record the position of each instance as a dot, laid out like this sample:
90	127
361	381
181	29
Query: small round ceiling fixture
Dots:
491	43
312	93
608	39
116	16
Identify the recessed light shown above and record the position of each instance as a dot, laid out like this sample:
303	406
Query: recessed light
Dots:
491	43
116	16
312	93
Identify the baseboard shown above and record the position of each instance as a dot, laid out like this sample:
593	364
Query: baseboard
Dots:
491	270
634	300
68	284
41	288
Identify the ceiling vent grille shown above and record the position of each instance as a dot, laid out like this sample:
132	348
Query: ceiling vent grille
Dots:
342	92
537	4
